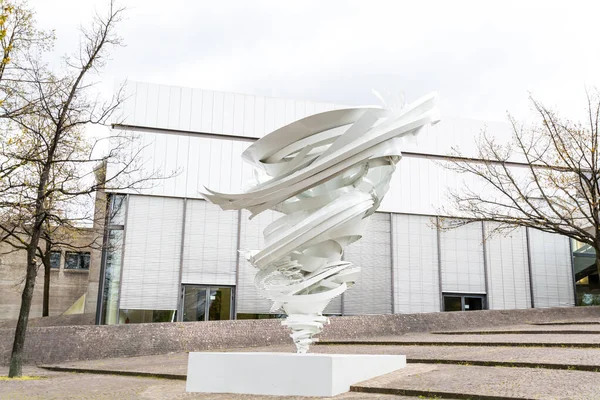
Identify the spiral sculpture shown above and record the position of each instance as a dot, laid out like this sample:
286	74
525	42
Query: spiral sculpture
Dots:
326	174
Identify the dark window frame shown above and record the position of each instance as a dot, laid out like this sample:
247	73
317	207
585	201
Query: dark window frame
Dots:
82	265
54	253
463	296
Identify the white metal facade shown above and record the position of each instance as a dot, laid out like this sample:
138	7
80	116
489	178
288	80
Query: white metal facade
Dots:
195	138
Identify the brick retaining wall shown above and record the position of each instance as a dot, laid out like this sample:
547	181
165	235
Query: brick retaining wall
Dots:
379	325
68	343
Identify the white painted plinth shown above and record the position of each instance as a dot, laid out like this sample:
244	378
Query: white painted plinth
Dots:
285	373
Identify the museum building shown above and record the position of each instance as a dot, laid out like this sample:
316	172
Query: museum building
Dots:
172	256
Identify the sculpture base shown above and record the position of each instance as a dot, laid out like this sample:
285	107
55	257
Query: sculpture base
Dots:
285	374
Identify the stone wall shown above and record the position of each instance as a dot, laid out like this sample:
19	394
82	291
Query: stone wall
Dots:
68	343
352	327
66	286
56	320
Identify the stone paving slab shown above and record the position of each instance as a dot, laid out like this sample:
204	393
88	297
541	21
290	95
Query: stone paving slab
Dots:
523	332
174	366
430	379
555	358
70	386
594	321
170	366
562	328
450	381
548	340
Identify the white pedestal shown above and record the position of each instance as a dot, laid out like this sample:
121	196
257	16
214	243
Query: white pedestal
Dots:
285	373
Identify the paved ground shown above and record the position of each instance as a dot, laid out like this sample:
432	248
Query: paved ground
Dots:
497	382
67	386
565	358
438	368
570	328
512	339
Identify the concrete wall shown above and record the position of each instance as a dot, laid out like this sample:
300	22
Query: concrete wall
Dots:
91	298
56	320
69	343
66	286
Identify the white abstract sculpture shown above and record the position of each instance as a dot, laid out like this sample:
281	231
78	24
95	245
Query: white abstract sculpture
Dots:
326	173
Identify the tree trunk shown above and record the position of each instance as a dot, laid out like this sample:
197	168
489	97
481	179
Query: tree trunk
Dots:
46	262
16	357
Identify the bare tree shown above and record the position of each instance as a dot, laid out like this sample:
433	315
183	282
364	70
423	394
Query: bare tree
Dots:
20	40
48	164
546	177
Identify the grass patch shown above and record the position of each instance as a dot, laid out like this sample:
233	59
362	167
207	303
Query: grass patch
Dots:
22	378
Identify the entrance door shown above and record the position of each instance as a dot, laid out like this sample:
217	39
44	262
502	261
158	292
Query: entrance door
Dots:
464	302
207	303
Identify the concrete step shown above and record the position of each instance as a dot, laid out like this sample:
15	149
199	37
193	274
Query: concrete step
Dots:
522	332
462	343
566	323
581	340
486	383
563	328
532	357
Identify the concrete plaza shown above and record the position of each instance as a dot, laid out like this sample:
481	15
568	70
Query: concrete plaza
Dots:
527	361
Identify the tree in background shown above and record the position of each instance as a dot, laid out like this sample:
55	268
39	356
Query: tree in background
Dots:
47	162
546	177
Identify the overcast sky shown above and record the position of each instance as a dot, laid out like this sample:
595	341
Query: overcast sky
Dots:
484	57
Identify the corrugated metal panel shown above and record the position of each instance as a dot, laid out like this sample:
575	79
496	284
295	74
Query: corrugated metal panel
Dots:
174	108
189	163
334	307
151	114
249	301
141	103
126	114
508	270
372	294
196	110
152	253
416	269
162	112
218	112
160	106
462	259
207	111
551	269
419	186
210	244
185	112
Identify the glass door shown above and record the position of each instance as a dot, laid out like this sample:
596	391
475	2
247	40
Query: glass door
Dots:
207	303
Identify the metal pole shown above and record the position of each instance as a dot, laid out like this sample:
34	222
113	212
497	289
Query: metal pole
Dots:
393	278
529	267
237	268
439	253
485	267
100	297
181	248
128	198
573	271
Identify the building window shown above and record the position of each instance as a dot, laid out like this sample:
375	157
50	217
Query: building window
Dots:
116	211
146	316
75	260
55	259
112	277
464	302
